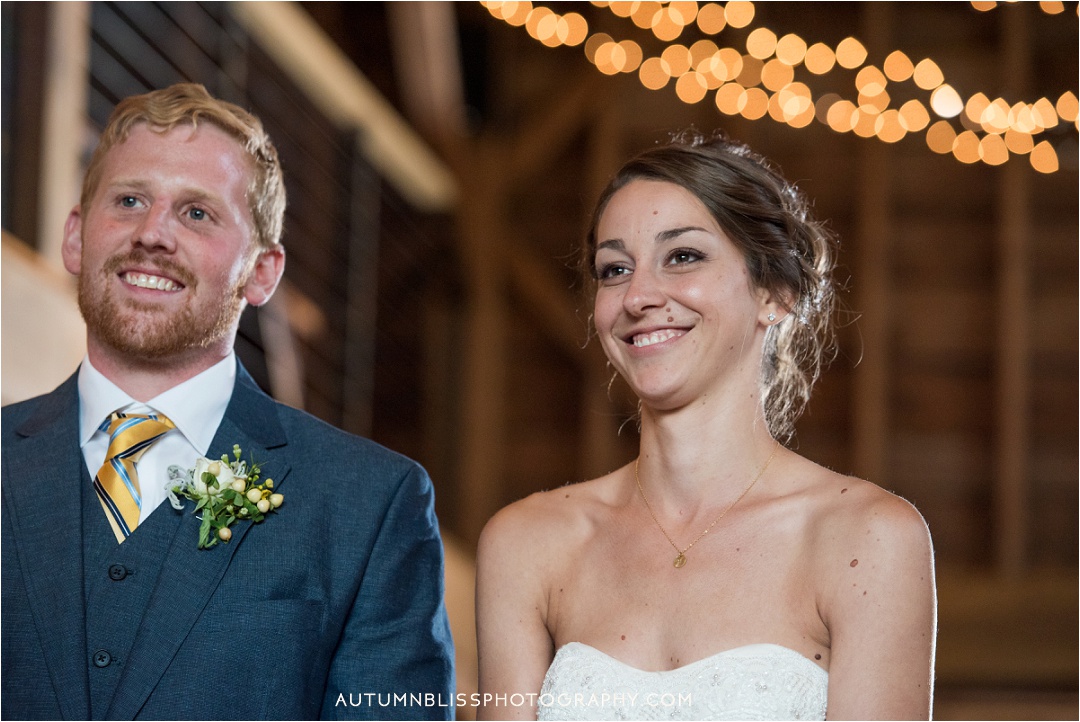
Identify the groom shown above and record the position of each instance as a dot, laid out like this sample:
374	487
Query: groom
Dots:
110	610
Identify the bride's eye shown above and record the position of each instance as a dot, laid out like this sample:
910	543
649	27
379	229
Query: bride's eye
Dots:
683	256
609	271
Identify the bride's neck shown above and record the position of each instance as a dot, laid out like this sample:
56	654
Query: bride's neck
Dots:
703	451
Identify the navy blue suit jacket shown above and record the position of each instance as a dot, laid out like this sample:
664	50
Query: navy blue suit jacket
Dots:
338	594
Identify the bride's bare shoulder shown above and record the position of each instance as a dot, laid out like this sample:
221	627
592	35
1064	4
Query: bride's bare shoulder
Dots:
550	520
854	521
849	503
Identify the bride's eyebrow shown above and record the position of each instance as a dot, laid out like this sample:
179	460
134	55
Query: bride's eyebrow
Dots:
676	232
614	244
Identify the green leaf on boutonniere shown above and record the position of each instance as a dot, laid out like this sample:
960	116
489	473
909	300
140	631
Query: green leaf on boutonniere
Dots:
204	532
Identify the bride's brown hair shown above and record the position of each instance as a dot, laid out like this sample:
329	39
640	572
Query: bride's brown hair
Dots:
787	252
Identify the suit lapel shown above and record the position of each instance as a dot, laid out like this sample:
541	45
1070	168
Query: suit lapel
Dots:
190	576
46	513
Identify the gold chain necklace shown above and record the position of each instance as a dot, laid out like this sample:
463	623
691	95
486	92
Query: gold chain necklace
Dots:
680	560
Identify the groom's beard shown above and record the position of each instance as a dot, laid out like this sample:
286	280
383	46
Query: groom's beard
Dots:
151	331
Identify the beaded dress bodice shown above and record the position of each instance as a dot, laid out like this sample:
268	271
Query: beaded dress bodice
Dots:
754	682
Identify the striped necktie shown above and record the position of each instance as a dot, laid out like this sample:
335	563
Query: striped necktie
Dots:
117	483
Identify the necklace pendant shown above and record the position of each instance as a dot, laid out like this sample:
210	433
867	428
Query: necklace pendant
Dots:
680	561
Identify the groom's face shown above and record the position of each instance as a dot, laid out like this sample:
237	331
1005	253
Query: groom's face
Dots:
166	247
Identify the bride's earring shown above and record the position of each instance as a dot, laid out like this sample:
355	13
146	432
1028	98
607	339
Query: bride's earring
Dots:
772	317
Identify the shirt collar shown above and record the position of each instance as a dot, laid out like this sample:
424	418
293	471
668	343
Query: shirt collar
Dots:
195	406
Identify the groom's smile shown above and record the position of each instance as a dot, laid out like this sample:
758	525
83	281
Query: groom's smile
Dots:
144	280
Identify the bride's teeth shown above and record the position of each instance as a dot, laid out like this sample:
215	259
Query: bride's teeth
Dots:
654	337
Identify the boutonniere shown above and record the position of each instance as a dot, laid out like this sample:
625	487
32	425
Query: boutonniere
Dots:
226	492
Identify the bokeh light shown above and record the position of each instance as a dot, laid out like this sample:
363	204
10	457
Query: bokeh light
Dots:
791	49
898	67
992	150
841	116
850	53
946	101
819	59
914	116
1018	143
940	137
1043	158
755	104
710	18
776	74
739	14
728	97
888	127
691	87
654	73
928	75
1067	106
966	147
750	75
678	59
761	43
870	81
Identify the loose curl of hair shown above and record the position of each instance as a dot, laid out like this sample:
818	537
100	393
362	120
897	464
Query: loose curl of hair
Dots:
787	253
188	104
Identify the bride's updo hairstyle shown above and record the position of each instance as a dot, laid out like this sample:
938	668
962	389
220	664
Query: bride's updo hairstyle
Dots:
787	253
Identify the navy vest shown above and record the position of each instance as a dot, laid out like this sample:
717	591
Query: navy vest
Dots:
117	582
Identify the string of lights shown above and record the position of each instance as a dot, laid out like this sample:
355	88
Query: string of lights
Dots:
1050	8
761	81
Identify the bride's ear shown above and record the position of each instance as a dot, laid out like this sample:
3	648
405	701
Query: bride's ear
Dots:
773	307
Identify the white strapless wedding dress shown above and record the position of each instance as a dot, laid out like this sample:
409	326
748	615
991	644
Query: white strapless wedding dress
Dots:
755	682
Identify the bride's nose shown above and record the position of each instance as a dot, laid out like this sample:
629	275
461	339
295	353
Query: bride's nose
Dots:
645	291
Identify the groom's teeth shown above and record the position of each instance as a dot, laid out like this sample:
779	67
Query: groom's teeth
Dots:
143	280
654	337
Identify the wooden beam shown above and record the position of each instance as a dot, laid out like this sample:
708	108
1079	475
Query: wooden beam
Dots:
547	299
599	451
1013	392
483	442
871	396
302	50
425	43
547	135
64	123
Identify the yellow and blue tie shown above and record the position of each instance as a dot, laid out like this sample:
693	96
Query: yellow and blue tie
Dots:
117	483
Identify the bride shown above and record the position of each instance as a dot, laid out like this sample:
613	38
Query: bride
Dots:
720	574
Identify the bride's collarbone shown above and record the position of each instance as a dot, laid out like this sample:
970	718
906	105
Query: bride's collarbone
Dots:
698	596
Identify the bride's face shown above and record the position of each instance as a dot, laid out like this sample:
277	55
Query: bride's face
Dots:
675	310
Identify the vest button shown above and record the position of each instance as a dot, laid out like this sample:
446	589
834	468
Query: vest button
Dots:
117	572
102	658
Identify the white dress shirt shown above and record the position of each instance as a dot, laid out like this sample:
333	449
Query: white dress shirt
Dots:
196	406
